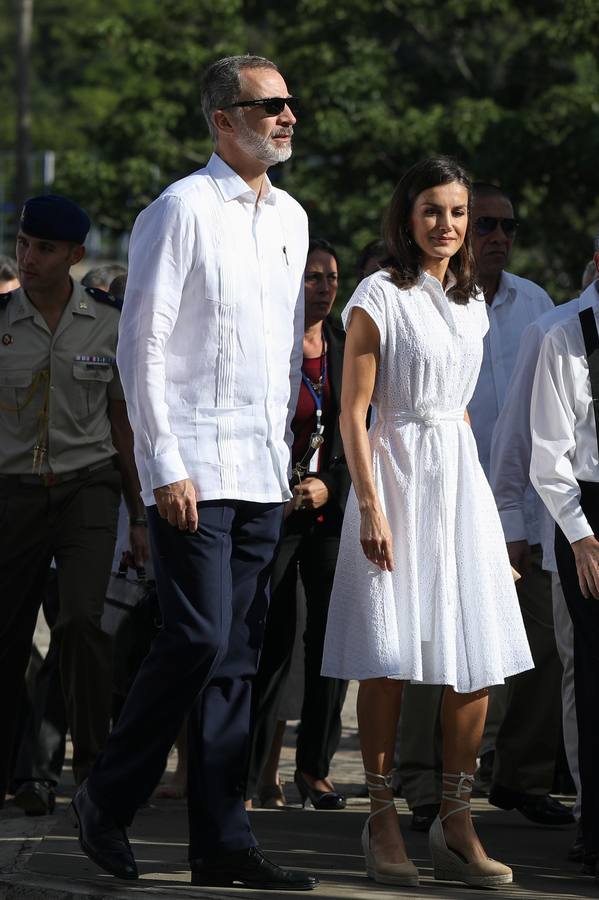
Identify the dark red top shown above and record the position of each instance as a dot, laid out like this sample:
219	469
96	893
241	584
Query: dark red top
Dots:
304	421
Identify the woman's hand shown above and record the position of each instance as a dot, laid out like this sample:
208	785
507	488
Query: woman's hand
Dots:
376	539
312	493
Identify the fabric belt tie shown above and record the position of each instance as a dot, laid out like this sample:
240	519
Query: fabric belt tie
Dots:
434	533
429	417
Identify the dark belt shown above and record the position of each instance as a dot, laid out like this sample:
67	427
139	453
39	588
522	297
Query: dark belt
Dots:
50	479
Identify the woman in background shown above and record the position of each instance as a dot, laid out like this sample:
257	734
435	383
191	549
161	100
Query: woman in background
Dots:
308	548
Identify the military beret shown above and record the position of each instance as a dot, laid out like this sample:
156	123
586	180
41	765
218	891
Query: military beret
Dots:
54	218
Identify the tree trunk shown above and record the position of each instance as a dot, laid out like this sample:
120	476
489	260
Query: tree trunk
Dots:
23	137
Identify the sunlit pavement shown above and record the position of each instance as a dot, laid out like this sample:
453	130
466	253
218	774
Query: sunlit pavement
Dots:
40	858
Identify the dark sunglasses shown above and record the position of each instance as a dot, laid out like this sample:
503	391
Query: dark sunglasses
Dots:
273	106
486	224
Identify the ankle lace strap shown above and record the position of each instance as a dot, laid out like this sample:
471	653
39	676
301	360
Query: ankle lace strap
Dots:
460	784
384	783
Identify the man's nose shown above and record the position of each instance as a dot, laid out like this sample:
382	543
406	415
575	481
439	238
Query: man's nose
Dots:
498	234
286	117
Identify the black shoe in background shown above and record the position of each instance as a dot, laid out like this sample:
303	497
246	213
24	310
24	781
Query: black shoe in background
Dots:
589	864
424	816
249	868
576	851
542	809
36	798
101	837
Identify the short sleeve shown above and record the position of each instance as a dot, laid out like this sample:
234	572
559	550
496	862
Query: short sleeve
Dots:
369	296
481	309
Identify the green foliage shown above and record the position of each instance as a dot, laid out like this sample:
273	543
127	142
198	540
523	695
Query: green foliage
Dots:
510	88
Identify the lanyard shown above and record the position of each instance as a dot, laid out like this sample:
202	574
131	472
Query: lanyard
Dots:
318	395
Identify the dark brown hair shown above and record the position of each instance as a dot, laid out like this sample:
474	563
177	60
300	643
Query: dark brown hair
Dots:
403	253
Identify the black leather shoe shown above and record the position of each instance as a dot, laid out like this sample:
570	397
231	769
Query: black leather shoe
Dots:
249	868
541	809
319	799
424	816
36	798
101	838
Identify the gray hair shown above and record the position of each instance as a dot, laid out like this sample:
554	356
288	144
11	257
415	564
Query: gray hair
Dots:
221	84
101	276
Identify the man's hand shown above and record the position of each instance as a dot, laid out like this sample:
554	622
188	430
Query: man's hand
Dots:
312	493
177	502
140	546
586	554
519	554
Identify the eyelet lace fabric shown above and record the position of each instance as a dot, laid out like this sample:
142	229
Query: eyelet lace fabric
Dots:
448	613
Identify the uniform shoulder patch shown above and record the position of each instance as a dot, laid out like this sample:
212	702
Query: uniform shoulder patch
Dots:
104	297
4	298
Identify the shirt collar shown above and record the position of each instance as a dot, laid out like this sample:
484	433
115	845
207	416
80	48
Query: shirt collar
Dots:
590	296
80	303
233	187
505	290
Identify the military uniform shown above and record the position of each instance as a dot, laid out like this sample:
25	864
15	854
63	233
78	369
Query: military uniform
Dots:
59	498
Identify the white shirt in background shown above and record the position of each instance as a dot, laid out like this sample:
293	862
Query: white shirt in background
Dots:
517	303
211	336
564	435
511	444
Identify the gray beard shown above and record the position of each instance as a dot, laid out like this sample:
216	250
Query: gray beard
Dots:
262	148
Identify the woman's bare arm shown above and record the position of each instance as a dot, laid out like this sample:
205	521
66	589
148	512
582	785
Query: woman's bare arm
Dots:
360	366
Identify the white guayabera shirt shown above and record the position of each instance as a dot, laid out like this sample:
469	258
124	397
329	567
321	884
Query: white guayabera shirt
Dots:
562	422
517	303
211	336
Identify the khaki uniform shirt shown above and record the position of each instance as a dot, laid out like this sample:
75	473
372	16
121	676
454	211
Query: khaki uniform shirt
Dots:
80	359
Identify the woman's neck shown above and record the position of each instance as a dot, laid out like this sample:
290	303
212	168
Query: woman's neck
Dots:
436	267
313	340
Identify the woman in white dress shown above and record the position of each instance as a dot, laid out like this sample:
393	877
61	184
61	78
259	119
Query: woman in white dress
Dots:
431	597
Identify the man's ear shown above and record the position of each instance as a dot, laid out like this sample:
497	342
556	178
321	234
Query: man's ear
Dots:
77	253
222	121
596	261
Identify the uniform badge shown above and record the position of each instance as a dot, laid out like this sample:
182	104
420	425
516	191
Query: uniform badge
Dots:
82	304
7	339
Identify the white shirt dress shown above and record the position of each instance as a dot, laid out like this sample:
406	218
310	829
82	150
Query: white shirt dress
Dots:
448	613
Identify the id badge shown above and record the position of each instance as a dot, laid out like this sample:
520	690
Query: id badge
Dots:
313	463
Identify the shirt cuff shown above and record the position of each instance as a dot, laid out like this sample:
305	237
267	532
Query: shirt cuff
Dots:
576	527
513	524
166	469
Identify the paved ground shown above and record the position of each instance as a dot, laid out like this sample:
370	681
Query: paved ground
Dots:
41	859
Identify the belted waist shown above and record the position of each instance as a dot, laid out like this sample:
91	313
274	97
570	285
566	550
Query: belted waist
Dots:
50	479
427	417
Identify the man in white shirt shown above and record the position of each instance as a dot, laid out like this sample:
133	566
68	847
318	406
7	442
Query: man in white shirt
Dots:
565	471
510	465
528	719
210	351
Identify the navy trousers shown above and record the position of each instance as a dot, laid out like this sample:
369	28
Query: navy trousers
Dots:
213	592
585	620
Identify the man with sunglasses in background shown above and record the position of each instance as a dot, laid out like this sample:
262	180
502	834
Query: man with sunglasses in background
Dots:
521	738
210	354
